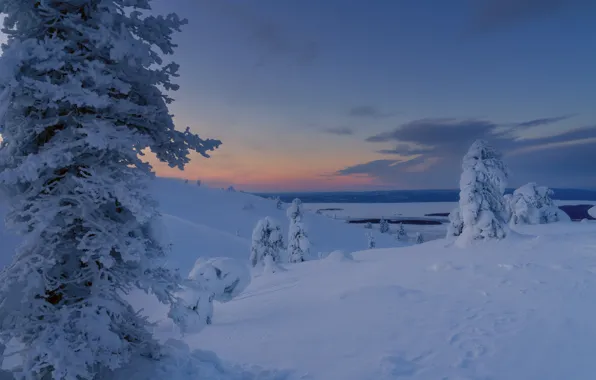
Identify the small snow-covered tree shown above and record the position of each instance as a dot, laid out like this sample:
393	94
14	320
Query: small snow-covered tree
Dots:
456	224
82	98
371	240
298	243
267	240
368	225
231	189
532	204
401	234
295	211
481	201
384	226
278	203
199	182
419	238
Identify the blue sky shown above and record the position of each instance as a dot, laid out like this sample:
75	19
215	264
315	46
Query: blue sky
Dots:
341	94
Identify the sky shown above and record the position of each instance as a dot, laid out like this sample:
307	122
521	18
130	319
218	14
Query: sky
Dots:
311	95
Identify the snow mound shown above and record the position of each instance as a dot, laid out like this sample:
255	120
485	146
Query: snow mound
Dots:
592	212
339	256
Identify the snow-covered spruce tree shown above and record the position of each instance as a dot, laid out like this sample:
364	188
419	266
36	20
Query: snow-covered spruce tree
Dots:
419	238
456	224
532	204
384	226
401	233
80	100
298	243
267	240
294	211
371	240
278	203
481	201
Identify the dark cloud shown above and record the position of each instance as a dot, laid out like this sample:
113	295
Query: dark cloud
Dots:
437	146
271	38
367	112
493	14
543	121
341	131
405	149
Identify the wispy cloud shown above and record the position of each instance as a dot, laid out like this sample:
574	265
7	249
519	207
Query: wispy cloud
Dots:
340	131
367	111
271	38
493	14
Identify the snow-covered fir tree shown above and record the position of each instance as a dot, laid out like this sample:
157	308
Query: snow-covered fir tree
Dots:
384	226
278	203
294	211
532	204
401	234
419	238
267	240
456	224
371	240
199	182
481	201
298	242
81	100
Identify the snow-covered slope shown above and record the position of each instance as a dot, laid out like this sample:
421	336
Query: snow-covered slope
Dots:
208	222
204	221
513	310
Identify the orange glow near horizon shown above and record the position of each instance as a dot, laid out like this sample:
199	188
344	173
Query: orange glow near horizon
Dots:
267	174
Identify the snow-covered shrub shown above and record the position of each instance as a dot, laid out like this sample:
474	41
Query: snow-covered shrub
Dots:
225	277
368	225
456	224
532	204
481	201
384	226
371	240
401	234
298	243
419	238
267	240
248	206
82	92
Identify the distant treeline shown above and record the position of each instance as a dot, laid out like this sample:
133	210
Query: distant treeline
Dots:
409	196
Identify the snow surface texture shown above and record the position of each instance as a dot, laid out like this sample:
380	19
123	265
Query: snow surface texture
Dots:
523	309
